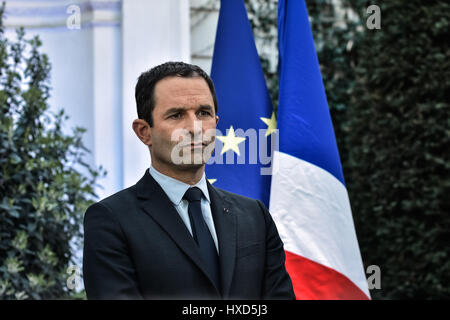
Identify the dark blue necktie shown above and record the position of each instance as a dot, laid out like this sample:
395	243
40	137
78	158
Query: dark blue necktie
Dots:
201	233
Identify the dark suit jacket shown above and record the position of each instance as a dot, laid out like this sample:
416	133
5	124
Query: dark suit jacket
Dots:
137	247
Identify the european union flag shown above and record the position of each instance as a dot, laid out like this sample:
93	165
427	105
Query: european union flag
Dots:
246	119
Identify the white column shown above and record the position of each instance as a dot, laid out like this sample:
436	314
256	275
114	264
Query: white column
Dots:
153	32
107	96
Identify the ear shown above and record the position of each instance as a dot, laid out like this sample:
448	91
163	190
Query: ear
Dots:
217	120
143	131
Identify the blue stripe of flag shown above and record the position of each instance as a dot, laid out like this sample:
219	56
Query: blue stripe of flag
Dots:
304	120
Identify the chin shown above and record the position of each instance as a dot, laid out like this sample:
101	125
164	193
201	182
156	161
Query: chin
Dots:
189	159
188	167
194	160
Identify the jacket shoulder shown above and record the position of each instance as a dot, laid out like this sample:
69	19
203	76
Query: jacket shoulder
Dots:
121	199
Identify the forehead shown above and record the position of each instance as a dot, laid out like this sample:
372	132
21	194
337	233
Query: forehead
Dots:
179	91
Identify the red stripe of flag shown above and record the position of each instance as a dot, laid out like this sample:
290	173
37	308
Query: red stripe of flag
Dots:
314	281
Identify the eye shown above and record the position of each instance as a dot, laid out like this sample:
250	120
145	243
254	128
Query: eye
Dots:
204	113
175	116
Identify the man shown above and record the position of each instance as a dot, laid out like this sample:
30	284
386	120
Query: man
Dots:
173	235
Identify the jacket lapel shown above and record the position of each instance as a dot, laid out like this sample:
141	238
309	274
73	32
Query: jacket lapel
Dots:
159	207
225	225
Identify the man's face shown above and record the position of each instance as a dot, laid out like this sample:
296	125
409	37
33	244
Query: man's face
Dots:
184	123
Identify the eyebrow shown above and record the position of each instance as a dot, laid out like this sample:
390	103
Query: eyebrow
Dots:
181	109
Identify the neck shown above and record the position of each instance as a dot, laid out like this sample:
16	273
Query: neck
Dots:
188	175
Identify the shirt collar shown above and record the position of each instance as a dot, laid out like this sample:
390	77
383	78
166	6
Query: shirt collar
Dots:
175	189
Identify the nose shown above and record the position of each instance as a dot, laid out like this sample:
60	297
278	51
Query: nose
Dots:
193	125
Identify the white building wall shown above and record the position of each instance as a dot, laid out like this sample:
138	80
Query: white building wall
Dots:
95	68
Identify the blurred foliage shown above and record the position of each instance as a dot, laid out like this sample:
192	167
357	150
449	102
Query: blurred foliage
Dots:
398	168
388	92
45	186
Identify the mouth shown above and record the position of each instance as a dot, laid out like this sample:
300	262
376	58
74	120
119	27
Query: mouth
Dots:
197	145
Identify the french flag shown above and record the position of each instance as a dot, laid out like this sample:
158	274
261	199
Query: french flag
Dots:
308	197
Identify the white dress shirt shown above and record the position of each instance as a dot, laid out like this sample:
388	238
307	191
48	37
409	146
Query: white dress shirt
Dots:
176	189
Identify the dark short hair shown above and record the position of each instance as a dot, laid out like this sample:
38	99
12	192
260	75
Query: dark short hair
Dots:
145	87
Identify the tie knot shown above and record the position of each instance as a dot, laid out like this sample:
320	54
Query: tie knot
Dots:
193	194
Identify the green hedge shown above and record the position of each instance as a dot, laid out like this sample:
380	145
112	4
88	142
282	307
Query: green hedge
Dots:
45	186
398	142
